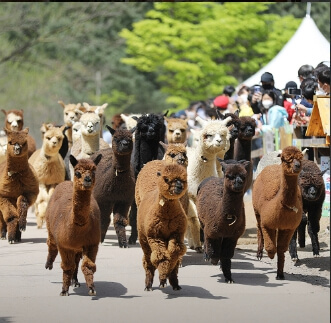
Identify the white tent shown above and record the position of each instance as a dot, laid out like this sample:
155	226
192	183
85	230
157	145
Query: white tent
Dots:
307	46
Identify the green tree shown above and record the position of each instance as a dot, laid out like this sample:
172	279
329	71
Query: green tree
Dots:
197	48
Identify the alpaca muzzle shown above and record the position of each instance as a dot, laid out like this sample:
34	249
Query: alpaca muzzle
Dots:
312	191
87	181
178	187
17	149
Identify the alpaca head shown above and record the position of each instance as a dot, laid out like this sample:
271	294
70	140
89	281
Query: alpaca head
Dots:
90	124
176	130
247	128
235	121
291	158
117	122
71	112
195	137
175	153
84	172
235	174
172	181
215	135
17	142
76	131
14	119
131	120
52	140
150	127
311	181
122	140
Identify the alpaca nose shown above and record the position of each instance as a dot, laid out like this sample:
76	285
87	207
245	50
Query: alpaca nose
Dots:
87	181
125	143
178	187
296	164
17	149
312	191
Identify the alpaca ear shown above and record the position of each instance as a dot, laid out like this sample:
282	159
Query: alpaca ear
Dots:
246	164
166	113
63	128
62	103
111	130
97	159
4	111
73	160
220	115
26	130
324	171
201	121
165	146
135	118
236	113
185	143
86	105
230	127
133	129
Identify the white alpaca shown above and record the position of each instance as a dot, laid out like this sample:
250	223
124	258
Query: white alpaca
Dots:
202	163
3	146
99	110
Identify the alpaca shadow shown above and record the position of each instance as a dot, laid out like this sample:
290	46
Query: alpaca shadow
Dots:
34	240
6	320
321	262
190	291
311	279
250	233
104	290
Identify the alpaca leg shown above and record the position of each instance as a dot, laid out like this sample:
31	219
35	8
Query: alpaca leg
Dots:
3	227
164	269
105	216
52	252
68	268
173	277
283	240
260	240
211	250
12	228
313	229
147	264
302	231
74	281
133	223
22	210
227	252
89	267
293	246
120	222
193	227
269	236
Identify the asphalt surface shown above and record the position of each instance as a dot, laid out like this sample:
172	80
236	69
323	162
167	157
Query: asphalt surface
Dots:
30	293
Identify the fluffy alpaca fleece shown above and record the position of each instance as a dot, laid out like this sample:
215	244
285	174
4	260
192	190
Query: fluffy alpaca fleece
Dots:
115	184
221	211
99	110
3	146
73	225
313	194
50	169
214	140
277	204
19	186
176	130
14	121
149	132
243	145
161	226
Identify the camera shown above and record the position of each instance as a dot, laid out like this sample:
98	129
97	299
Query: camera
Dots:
294	91
257	88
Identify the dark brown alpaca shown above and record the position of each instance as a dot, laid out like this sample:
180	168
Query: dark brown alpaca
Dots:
277	204
19	186
162	223
73	224
221	213
115	183
15	121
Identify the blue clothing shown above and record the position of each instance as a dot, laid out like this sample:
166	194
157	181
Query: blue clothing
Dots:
308	105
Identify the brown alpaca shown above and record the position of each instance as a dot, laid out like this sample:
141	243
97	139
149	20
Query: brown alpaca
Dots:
161	223
73	225
50	169
221	211
19	186
176	130
277	204
15	121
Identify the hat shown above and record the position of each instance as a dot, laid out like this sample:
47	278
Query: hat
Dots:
267	77
221	102
290	84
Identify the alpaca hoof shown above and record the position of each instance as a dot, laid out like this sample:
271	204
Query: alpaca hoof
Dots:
148	289
92	292
64	293
123	244
177	287
229	281
75	283
198	249
3	238
316	255
206	257
214	261
280	277
132	241
295	259
163	284
11	241
49	266
259	255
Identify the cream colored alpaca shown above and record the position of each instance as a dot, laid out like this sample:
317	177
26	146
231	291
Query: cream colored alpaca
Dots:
176	130
99	110
3	146
50	169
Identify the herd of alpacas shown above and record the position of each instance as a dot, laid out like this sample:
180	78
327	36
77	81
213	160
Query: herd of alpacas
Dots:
173	196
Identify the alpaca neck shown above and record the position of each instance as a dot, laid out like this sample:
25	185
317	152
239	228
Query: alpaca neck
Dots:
148	150
205	155
243	149
17	164
230	153
122	162
232	203
81	206
68	133
289	190
90	144
48	153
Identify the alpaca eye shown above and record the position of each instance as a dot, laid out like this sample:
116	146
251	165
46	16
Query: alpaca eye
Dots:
172	155
48	138
208	136
182	130
78	174
166	179
170	130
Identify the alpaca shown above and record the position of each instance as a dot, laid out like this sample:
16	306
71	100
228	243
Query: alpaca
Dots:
195	137
50	169
15	121
313	194
90	140
176	130
161	226
148	133
71	114
99	110
221	211
19	186
214	139
243	145
73	225
277	204
115	182
130	120
3	145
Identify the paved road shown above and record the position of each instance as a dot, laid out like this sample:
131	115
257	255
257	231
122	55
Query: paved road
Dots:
30	293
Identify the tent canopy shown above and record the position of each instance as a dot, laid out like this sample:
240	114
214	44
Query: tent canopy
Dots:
307	46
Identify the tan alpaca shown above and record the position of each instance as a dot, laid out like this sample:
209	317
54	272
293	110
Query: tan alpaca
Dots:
50	169
176	130
19	186
73	225
99	110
